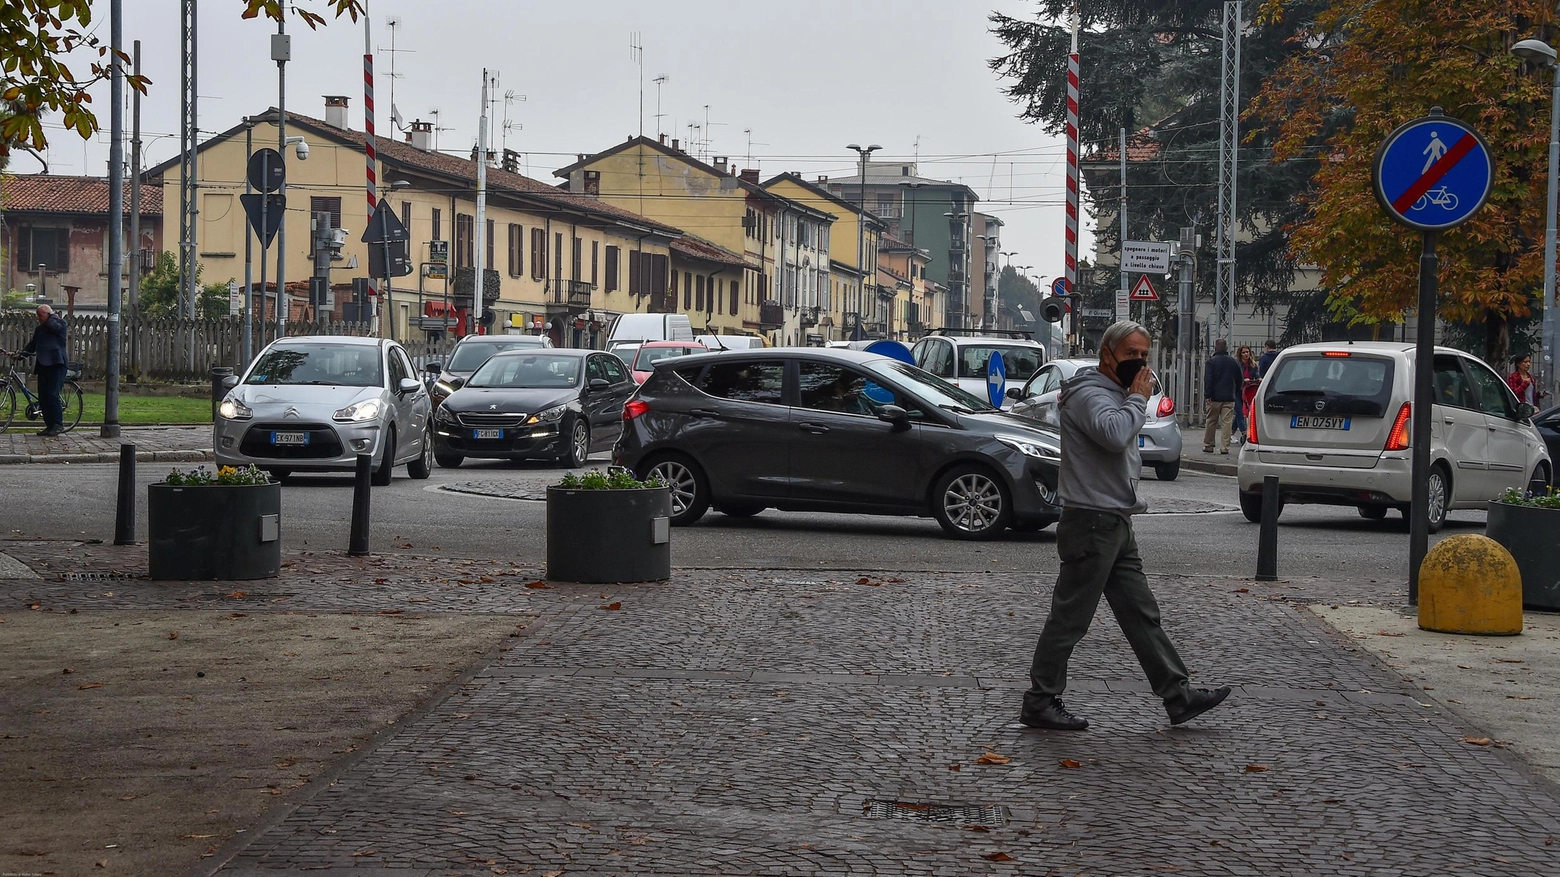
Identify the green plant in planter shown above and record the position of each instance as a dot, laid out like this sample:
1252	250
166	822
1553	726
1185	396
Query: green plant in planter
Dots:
225	476
615	479
1549	499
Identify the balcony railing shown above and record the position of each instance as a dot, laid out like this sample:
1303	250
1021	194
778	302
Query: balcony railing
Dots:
573	294
771	315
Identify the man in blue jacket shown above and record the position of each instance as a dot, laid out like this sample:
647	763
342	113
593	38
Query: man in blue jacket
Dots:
1102	409
48	343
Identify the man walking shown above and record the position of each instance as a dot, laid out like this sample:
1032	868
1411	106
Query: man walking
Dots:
48	343
1269	353
1102	409
1221	387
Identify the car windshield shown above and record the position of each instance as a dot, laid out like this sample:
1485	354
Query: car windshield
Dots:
1018	361
470	355
529	371
930	388
649	356
344	365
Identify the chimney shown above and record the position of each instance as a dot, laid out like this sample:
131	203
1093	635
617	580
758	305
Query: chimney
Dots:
720	163
663	139
592	184
675	146
750	175
336	110
421	135
823	179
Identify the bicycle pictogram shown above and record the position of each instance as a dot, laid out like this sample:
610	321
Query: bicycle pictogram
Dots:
1439	197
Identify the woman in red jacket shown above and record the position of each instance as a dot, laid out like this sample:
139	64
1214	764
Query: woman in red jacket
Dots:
1522	383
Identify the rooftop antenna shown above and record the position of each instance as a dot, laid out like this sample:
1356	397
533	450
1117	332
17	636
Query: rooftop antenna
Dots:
692	142
395	115
509	98
659	81
751	144
437	127
636	53
709	136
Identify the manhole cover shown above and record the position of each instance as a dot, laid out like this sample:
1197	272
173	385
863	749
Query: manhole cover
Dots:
99	576
499	489
943	814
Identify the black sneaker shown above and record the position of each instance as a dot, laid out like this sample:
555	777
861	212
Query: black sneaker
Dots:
1053	715
1197	702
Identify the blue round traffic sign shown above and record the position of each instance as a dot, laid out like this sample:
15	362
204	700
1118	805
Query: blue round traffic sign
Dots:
1059	286
1433	173
996	379
893	350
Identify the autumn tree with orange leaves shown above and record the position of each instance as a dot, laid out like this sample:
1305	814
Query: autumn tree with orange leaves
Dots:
1362	69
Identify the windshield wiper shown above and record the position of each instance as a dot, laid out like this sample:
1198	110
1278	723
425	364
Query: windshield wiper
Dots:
957	409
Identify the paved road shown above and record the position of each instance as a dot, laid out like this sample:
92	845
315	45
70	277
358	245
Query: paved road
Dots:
1194	529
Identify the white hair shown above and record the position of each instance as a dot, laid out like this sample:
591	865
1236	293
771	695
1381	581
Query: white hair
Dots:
1120	331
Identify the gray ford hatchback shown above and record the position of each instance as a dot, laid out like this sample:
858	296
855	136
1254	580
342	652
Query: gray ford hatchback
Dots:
808	429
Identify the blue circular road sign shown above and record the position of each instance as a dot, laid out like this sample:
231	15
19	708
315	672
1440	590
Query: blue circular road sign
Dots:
893	350
996	379
1059	286
1433	173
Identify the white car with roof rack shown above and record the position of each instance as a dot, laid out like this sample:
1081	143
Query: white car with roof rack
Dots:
1333	422
962	355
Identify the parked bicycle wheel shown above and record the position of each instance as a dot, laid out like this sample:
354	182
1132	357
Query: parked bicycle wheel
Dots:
70	397
7	407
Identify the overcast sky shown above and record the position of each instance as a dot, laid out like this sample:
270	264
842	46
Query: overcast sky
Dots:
805	77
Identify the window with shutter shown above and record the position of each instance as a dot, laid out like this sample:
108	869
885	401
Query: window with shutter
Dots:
538	254
327	205
595	252
612	269
698	293
436	218
635	272
491	245
465	240
516	250
576	255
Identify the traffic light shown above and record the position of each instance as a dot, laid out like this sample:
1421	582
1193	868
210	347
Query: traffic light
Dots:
1053	308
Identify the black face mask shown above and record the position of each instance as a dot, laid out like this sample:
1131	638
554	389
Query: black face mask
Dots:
1127	370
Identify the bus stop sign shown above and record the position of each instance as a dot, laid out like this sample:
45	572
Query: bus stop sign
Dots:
1433	173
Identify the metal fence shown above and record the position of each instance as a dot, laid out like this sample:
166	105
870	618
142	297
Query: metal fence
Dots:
182	350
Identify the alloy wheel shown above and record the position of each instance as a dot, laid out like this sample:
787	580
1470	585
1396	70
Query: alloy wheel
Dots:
1436	497
581	440
681	481
973	502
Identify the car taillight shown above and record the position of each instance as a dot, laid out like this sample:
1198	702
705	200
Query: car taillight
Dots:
1166	406
1397	438
635	407
1251	427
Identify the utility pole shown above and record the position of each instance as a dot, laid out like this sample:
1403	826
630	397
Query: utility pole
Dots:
1121	253
116	213
478	258
1229	143
247	347
281	52
135	213
372	159
188	134
1186	309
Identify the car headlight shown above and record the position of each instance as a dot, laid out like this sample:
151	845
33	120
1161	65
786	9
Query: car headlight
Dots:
548	416
1029	447
443	415
232	409
368	409
443	388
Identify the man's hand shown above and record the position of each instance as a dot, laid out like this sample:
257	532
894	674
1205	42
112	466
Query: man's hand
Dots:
1143	384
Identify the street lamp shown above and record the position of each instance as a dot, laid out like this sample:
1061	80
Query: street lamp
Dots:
1541	54
864	153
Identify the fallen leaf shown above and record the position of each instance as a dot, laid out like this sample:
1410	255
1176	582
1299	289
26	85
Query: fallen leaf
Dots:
1388	633
238	595
992	758
89	685
173	634
364	853
955	766
35	606
1069	763
611	606
102	863
69	670
1477	741
980	828
1256	768
538	585
998	857
1507	661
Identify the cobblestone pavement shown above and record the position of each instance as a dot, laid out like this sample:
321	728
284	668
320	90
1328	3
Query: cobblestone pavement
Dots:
740	723
83	444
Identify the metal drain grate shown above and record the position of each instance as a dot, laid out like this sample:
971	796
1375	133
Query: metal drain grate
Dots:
943	814
99	576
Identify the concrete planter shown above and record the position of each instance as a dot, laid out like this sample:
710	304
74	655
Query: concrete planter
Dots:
214	531
1532	535
604	536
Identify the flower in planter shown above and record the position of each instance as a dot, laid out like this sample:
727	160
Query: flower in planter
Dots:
613	479
226	476
1549	499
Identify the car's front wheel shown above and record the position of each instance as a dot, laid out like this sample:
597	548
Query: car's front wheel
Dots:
578	449
422	467
1538	485
1439	493
449	461
971	502
1373	512
690	489
386	470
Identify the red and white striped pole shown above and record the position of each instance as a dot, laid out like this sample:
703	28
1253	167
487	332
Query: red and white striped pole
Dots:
1071	253
369	152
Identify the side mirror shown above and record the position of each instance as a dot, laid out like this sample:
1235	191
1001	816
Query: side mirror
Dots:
1015	393
409	386
598	384
899	417
230	382
434	368
1525	411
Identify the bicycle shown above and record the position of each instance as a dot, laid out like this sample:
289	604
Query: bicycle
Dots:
70	396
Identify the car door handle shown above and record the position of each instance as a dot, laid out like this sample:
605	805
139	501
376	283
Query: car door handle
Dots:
704	412
814	428
1448	420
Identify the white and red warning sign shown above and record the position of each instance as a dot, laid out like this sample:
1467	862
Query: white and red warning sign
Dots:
1143	290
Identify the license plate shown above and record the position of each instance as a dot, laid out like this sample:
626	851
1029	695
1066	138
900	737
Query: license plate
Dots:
487	433
289	438
1317	421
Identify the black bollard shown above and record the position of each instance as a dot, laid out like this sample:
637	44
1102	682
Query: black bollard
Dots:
362	486
218	391
124	515
1267	539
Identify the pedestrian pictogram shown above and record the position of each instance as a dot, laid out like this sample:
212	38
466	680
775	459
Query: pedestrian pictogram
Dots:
1143	290
1433	173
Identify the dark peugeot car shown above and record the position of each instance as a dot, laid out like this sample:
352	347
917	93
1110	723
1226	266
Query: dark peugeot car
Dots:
534	404
809	429
469	353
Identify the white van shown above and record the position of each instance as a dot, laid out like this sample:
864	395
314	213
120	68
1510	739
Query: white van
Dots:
631	330
730	342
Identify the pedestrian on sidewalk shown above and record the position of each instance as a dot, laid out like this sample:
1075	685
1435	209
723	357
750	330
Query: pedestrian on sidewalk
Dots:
1269	353
1522	383
48	344
1101	411
1221	387
1249	380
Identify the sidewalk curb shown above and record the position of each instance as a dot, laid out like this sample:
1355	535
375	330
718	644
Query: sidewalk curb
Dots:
203	455
1209	466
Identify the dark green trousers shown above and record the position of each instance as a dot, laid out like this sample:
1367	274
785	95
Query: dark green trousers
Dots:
1100	556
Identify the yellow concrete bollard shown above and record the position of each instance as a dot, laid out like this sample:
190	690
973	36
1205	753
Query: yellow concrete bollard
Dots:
1470	584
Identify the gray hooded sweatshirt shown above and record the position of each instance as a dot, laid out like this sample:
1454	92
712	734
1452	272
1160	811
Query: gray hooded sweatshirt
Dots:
1100	464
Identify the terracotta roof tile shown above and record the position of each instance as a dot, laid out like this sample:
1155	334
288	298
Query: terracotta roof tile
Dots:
55	193
699	248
